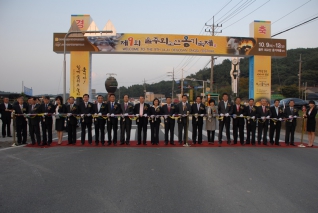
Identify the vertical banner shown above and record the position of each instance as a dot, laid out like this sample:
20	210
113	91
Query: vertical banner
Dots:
80	72
260	66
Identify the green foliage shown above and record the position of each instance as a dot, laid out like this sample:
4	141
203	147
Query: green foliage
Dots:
290	91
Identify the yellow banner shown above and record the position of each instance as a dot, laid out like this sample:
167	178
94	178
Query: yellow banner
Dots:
80	74
262	77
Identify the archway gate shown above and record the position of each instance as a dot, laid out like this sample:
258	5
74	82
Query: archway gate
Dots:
259	47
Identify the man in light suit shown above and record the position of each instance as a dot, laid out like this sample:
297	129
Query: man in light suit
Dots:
291	113
142	110
225	109
100	109
182	108
197	122
125	122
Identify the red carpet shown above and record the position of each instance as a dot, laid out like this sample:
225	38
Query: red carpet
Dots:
161	145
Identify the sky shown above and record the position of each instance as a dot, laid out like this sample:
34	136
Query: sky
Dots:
27	29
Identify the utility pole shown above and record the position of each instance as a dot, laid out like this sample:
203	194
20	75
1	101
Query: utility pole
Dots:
172	75
212	30
299	75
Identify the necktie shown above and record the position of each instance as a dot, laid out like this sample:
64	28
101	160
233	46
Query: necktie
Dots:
225	105
71	106
141	110
85	104
263	109
238	108
184	106
45	107
276	110
112	105
32	107
21	107
292	111
169	108
98	107
198	105
125	106
250	109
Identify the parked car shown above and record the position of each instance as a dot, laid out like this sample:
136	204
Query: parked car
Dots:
298	103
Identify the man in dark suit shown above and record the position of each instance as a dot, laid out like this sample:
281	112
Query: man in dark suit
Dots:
197	110
182	108
291	113
72	110
112	123
276	113
238	120
6	110
125	122
46	120
251	113
86	110
142	110
225	110
21	122
34	110
169	109
264	114
100	109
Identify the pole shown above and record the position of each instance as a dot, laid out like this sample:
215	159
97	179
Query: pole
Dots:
299	83
172	83
212	72
22	87
182	84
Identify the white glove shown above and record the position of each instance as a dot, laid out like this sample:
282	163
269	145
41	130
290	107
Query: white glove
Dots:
280	119
165	116
112	115
221	114
263	117
290	116
227	114
137	115
45	113
173	115
82	115
268	117
234	116
89	115
107	114
241	115
152	116
126	114
145	115
202	115
99	114
57	113
253	117
295	116
69	114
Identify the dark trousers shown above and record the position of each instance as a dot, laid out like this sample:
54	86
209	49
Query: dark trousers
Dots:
71	130
237	127
274	128
226	121
155	131
125	127
290	132
182	126
169	127
142	126
47	132
22	133
112	125
35	131
87	125
211	134
6	125
250	128
99	128
197	128
262	131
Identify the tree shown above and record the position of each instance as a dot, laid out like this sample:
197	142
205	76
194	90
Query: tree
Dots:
290	91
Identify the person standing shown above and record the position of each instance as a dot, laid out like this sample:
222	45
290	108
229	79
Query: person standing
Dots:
183	109
114	109
155	112
197	110
277	114
72	110
34	110
100	109
238	121
142	110
86	110
125	121
225	110
6	110
251	116
21	123
59	110
169	110
263	113
291	113
311	123
46	120
212	112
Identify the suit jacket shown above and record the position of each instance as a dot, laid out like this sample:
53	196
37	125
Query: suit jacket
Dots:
86	110
21	119
103	109
50	110
36	110
239	112
116	109
74	110
260	112
195	110
183	111
288	112
129	110
274	113
173	110
311	119
223	110
146	109
251	112
153	111
5	115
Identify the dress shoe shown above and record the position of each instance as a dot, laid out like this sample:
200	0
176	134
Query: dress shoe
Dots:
10	136
108	144
103	144
127	143
292	144
166	143
122	143
180	143
145	143
172	144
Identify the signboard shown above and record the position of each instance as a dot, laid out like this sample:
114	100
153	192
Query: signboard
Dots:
172	45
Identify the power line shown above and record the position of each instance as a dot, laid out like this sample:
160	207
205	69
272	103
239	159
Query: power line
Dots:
218	12
229	11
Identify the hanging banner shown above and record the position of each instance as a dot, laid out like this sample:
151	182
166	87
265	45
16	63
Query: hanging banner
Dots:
172	45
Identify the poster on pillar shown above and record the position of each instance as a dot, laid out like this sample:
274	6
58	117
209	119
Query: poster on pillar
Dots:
262	77
80	73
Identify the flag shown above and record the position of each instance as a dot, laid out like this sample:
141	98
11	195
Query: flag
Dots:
28	91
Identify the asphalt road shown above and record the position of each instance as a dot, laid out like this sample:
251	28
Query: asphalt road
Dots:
66	179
